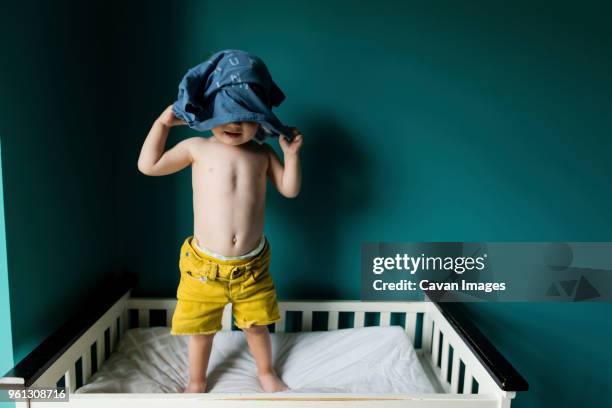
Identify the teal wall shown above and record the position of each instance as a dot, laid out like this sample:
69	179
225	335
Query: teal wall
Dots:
6	339
57	163
422	122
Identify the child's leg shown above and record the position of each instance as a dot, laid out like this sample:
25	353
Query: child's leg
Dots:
258	338
199	353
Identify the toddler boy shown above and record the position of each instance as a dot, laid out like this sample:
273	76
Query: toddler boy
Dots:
227	258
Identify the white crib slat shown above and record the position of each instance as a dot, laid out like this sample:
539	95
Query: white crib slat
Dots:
99	351
113	333
411	326
125	321
385	319
86	364
332	320
455	373
279	326
467	381
226	321
306	320
143	317
70	379
427	333
444	362
169	314
359	319
434	345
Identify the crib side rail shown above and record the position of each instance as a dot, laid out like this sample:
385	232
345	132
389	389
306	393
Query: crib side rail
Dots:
333	310
143	309
463	359
97	322
104	334
460	356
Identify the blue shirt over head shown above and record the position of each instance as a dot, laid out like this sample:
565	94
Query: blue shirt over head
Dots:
231	86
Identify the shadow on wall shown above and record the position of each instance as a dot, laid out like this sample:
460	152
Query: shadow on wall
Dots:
152	212
336	187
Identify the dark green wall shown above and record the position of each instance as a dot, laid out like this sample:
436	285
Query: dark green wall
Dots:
421	122
57	158
437	121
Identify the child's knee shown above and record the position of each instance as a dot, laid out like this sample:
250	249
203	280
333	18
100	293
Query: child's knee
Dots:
255	329
201	337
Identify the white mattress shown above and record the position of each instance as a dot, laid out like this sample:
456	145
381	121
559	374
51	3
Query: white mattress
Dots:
364	360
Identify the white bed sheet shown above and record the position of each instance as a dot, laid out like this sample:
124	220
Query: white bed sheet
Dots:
363	360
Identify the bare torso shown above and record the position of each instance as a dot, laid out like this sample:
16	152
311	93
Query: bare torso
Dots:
229	192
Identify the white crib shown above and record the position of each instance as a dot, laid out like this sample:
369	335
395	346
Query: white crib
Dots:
462	364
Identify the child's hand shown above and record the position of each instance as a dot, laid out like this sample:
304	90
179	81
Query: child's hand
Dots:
168	119
293	147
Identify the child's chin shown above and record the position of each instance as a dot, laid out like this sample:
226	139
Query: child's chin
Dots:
234	141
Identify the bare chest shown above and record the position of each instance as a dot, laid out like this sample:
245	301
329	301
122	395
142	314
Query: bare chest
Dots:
229	166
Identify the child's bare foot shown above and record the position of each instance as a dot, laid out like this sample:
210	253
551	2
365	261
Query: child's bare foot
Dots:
193	386
271	383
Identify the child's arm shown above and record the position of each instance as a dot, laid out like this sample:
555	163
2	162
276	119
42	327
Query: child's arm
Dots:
287	179
153	161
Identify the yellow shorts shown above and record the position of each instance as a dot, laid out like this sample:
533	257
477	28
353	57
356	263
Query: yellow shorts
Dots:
208	284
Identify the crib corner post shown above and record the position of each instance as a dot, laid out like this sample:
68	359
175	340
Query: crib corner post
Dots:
506	398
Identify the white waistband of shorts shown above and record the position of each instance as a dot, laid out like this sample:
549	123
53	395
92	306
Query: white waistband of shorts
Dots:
249	254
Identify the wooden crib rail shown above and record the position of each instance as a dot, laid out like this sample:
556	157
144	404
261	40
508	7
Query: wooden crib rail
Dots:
462	358
473	366
143	307
53	350
434	329
504	374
